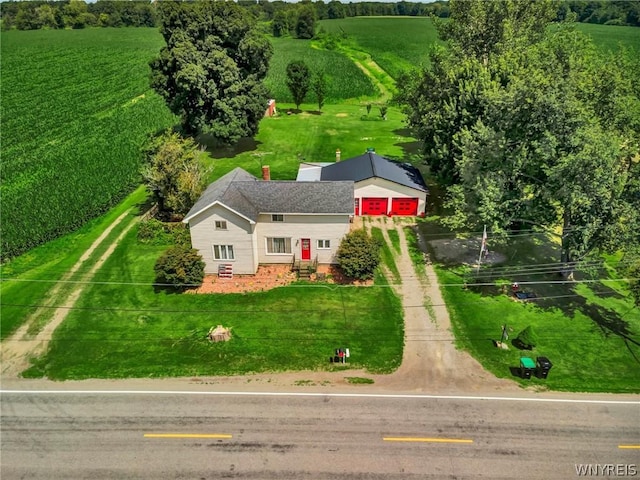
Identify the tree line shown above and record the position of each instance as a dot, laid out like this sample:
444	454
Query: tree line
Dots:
297	19
531	127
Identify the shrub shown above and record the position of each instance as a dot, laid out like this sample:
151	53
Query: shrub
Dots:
526	339
153	232
359	255
181	267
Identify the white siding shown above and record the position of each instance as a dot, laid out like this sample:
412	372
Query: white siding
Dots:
380	188
240	233
297	227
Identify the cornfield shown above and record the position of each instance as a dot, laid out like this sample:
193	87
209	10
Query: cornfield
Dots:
76	107
345	79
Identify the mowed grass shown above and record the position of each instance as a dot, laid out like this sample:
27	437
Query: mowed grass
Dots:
589	331
286	140
28	279
387	257
344	79
76	107
129	329
397	44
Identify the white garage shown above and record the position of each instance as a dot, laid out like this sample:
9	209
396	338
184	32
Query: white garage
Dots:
381	186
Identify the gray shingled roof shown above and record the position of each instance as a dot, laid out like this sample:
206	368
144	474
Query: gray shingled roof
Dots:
220	191
373	165
248	196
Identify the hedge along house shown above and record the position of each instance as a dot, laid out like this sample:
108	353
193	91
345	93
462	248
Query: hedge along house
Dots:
240	222
381	186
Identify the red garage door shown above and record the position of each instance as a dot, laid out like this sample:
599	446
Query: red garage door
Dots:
374	206
404	206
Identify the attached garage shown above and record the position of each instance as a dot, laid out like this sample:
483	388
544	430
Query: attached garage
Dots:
404	206
374	206
381	186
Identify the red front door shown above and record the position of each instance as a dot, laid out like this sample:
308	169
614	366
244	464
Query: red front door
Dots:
306	248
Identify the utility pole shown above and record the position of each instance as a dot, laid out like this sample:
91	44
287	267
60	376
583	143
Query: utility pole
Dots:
483	245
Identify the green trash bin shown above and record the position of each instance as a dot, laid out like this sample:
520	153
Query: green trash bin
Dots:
527	366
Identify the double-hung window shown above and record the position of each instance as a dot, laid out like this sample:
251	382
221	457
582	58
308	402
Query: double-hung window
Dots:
324	244
278	245
223	252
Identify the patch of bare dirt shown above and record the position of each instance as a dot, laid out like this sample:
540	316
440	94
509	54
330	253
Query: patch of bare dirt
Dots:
463	250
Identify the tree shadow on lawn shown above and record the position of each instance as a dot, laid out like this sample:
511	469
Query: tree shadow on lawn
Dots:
246	144
609	321
412	149
563	297
522	257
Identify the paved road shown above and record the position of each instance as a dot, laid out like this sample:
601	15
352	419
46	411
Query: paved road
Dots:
265	436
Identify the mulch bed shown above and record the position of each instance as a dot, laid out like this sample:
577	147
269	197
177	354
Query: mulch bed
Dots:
268	277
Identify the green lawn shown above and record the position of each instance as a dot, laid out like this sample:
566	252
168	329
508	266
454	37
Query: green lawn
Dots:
387	257
589	331
27	280
127	328
77	135
286	140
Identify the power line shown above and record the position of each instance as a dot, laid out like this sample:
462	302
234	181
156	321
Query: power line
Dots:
265	311
329	286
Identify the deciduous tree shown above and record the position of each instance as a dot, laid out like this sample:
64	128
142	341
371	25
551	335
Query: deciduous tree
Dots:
298	81
306	23
319	87
173	172
531	127
212	68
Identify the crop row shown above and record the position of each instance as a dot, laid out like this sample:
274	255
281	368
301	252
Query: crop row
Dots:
398	44
395	43
345	79
76	108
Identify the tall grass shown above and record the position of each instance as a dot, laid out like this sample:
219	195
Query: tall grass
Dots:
76	107
344	79
396	44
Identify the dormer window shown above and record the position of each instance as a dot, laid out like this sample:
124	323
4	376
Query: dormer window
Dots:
277	218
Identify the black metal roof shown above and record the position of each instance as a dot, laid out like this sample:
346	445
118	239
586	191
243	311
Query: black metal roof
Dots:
371	165
248	196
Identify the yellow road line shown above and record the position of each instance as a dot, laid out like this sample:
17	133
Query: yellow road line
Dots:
421	439
187	435
629	446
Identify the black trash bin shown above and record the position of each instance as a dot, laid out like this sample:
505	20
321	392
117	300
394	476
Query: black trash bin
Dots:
543	365
526	367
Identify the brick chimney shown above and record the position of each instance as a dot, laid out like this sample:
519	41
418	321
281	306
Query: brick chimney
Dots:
338	155
266	173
